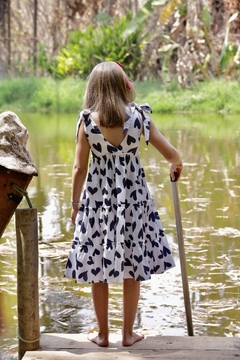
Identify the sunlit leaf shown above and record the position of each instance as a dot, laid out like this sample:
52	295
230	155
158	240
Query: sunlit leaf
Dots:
168	47
166	37
168	10
206	16
233	17
226	53
159	2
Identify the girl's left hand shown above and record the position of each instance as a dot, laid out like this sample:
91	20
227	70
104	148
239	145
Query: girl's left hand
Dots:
175	171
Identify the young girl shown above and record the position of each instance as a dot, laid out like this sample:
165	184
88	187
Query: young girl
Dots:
118	233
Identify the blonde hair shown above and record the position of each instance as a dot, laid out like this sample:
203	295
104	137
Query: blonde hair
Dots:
108	92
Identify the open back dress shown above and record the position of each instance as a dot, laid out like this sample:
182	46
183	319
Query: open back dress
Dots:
118	232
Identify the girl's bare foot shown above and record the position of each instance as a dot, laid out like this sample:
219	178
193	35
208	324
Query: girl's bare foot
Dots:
131	339
100	340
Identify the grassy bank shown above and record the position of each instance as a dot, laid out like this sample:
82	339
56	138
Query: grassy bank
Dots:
49	95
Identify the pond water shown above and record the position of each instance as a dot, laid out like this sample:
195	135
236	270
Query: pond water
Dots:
209	198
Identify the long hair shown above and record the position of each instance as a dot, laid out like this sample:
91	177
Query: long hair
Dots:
108	92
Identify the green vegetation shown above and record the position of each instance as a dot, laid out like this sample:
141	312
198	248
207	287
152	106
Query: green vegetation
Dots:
49	95
99	43
175	38
41	94
213	96
127	39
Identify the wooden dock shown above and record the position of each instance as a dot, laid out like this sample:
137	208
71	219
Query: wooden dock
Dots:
76	346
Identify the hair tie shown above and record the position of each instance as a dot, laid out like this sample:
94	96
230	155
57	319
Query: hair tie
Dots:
119	64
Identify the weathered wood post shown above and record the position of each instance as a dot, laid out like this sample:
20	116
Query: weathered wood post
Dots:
27	280
16	171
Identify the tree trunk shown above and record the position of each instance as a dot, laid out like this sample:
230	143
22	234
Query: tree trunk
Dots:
9	33
109	7
135	7
35	36
2	18
2	73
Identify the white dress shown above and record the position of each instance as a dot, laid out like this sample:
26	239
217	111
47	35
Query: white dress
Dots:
118	232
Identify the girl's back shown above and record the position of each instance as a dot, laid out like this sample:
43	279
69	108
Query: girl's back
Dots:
114	135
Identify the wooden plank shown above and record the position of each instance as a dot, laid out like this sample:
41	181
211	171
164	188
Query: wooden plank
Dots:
79	341
129	355
9	197
73	346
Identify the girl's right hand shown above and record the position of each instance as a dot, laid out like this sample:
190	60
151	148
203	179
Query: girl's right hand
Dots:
175	171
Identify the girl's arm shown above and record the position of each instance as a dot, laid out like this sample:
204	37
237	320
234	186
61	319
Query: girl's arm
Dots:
167	150
80	168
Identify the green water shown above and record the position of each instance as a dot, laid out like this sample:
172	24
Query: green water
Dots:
209	192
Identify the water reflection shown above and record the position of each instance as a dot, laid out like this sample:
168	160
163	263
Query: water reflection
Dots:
209	191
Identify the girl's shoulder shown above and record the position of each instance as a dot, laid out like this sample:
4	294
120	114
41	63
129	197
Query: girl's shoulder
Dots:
84	116
138	119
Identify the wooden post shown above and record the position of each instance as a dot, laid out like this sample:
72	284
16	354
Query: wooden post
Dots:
27	280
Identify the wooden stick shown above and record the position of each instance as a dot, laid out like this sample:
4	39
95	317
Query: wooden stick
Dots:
182	257
27	280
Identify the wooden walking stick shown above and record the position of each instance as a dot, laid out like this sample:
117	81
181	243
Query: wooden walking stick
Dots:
182	255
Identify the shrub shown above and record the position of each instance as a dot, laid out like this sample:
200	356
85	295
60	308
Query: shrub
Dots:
98	43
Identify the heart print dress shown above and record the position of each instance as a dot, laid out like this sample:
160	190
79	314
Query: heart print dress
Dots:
118	232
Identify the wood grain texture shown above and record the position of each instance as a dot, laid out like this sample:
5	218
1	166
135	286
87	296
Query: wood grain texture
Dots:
9	197
73	346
